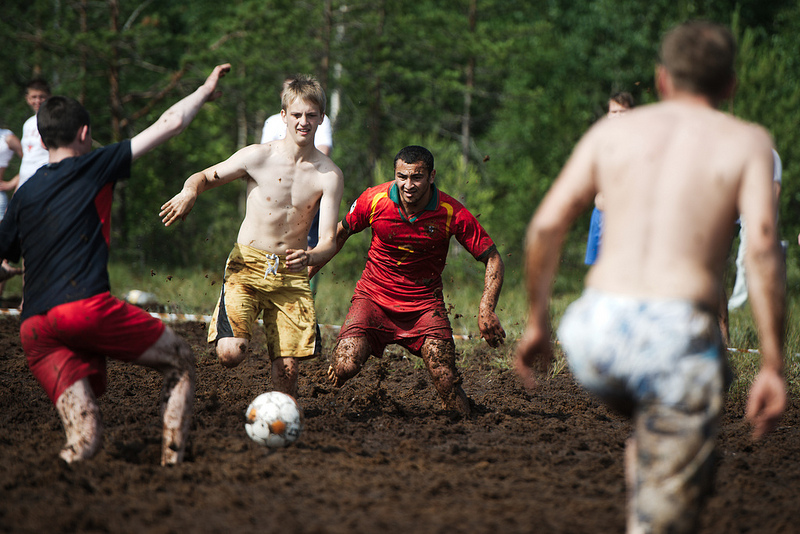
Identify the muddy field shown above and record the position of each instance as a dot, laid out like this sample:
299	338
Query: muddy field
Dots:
377	456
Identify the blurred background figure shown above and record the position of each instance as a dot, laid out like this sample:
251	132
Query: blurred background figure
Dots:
618	104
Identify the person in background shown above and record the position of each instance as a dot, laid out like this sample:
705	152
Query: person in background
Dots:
9	145
34	154
739	294
618	104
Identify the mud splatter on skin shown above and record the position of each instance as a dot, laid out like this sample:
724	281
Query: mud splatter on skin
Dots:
82	424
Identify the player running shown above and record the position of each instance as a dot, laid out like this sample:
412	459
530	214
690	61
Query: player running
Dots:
59	224
644	336
267	271
399	296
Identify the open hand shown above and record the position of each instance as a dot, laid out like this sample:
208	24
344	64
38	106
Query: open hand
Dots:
211	82
177	208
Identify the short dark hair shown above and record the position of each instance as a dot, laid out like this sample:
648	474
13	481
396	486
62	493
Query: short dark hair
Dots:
623	98
699	56
415	154
59	120
38	84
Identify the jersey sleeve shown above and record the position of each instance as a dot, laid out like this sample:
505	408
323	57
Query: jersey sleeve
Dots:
359	216
472	236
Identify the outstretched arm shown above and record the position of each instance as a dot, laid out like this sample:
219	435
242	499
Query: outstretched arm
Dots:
488	322
7	271
178	117
179	206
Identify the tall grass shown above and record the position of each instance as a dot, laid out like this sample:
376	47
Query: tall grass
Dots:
189	290
195	290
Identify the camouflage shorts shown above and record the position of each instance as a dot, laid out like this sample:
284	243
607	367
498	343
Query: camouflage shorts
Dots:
662	362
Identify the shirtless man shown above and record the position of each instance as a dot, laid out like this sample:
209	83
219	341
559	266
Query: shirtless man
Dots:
287	182
644	336
59	222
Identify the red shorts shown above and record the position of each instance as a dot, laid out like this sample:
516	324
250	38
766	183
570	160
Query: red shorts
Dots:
382	327
71	341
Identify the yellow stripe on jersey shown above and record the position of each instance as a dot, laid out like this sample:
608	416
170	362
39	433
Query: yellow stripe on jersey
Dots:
375	200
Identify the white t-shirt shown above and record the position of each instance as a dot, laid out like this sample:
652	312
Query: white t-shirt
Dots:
34	154
5	151
777	168
275	129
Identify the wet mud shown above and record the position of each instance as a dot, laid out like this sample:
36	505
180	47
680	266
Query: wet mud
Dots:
378	455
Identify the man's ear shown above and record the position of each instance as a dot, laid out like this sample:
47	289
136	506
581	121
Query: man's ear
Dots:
83	133
663	81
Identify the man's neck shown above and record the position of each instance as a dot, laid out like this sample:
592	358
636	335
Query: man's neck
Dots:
412	209
692	99
62	153
298	152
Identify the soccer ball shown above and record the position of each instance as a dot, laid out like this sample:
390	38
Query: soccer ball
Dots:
274	419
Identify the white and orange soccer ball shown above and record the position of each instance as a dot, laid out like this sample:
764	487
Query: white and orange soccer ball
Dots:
274	419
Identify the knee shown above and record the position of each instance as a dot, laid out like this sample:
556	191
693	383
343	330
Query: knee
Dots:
348	358
231	353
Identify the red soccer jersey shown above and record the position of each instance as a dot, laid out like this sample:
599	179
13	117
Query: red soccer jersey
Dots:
407	256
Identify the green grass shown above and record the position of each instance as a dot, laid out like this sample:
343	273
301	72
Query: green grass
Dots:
195	291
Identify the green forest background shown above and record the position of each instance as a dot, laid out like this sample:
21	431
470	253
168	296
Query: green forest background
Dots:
499	90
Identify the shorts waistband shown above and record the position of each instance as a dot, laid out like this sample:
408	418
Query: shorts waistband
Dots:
262	262
670	302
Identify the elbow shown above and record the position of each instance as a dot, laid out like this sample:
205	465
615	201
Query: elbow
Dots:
171	123
542	229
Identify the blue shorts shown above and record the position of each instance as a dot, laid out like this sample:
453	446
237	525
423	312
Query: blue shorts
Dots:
661	361
595	237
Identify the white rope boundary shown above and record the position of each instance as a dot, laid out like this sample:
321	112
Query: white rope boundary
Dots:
189	317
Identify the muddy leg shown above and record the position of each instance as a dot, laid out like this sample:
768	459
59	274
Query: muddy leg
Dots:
631	469
439	356
349	357
83	425
172	356
284	375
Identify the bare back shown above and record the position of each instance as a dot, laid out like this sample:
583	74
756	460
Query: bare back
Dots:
674	177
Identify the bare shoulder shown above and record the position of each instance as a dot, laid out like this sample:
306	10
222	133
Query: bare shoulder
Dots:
325	166
254	153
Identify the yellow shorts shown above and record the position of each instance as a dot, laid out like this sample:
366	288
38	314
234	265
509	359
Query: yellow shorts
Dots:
256	282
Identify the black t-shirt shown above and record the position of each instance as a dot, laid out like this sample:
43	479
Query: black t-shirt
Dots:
59	222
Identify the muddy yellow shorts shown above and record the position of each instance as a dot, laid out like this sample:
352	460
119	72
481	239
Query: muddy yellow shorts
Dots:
257	282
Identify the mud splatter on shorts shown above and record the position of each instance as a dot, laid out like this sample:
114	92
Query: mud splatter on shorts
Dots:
256	282
661	361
